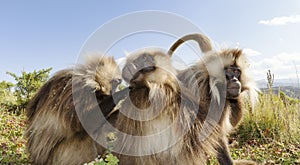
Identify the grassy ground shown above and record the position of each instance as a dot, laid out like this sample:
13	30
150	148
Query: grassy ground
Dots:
270	135
12	143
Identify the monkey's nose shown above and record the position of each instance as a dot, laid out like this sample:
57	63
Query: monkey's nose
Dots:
234	79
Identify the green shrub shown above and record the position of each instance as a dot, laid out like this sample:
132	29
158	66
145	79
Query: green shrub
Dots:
26	86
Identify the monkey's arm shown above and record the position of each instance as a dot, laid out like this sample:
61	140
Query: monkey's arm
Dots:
223	152
236	112
93	115
109	102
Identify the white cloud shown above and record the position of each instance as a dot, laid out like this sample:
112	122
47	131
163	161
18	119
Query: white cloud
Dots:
283	66
281	20
251	52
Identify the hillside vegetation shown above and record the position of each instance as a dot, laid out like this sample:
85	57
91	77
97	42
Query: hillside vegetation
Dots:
269	135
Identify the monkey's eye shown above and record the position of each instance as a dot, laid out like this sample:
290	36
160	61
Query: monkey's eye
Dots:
237	73
228	70
145	60
232	71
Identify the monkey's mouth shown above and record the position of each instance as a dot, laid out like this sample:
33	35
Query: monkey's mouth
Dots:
233	92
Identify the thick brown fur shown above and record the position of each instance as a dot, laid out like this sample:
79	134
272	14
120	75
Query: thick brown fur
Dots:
157	92
208	73
55	134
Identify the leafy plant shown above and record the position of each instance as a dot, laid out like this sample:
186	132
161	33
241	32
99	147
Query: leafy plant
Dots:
109	159
12	143
27	85
7	99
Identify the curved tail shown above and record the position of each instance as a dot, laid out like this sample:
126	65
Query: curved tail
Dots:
202	40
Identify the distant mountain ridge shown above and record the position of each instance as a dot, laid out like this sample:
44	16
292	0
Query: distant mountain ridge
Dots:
290	87
290	91
279	83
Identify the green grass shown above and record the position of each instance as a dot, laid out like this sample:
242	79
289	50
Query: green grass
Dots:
270	135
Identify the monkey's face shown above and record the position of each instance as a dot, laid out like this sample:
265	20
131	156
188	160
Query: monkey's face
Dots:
144	68
138	67
234	87
108	75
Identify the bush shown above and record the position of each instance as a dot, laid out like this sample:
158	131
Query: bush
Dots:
26	86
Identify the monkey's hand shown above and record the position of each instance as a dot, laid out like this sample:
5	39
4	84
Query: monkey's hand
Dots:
109	102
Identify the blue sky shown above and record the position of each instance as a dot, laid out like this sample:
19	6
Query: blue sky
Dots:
43	34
